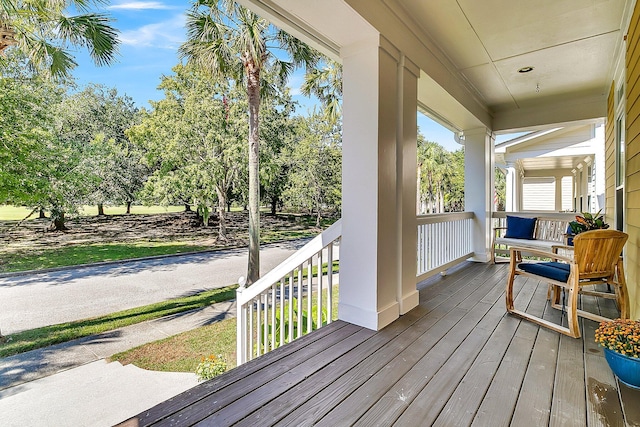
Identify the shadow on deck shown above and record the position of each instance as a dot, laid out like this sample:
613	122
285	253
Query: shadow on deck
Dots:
457	359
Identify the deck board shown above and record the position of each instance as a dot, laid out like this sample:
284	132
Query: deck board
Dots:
500	399
603	405
457	359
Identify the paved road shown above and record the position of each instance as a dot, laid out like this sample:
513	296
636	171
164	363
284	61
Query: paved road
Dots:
41	299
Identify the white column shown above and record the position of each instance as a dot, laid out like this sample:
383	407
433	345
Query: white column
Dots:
406	185
511	189
558	201
378	186
478	187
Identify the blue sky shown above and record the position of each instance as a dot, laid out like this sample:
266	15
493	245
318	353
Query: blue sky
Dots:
150	34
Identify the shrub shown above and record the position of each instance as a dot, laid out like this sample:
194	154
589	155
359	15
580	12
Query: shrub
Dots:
211	367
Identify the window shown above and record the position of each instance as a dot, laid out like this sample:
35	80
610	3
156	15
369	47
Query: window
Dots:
620	159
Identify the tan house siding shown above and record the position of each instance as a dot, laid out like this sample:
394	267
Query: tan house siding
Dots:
610	158
632	184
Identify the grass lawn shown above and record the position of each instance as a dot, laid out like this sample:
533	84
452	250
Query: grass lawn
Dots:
17	213
94	239
49	335
35	259
183	352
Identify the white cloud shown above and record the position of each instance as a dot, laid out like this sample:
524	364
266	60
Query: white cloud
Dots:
140	5
295	82
166	34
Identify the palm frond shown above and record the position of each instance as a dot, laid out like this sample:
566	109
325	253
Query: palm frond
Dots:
207	44
53	60
283	70
93	31
302	54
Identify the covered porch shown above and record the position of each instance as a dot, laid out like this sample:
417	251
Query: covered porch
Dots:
444	353
456	359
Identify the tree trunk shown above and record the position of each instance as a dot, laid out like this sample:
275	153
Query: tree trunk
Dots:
100	209
274	205
222	223
128	208
58	222
42	215
187	207
253	91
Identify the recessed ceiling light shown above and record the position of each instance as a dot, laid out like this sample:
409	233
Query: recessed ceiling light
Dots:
525	70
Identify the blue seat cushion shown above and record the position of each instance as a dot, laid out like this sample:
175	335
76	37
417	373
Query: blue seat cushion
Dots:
551	270
520	228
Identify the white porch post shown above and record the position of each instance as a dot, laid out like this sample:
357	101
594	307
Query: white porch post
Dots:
558	201
478	187
511	188
406	185
378	185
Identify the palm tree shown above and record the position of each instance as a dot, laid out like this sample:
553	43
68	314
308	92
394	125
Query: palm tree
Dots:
326	84
230	40
43	32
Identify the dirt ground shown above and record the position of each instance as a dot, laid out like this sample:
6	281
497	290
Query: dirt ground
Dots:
182	226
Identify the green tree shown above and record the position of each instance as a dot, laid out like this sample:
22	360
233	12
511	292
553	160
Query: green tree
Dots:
315	176
500	188
454	196
228	39
277	133
44	31
193	141
93	122
27	133
37	168
440	178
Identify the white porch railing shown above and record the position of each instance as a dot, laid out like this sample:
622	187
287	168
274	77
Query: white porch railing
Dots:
444	240
288	301
285	304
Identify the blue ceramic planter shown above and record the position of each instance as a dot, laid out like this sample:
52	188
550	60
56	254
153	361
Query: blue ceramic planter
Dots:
626	368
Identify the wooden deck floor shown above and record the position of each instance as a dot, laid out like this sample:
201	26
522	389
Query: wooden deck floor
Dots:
456	360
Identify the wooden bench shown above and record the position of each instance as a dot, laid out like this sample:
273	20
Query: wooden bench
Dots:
548	232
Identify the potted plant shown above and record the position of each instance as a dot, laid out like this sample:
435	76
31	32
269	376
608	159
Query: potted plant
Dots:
588	222
585	222
620	339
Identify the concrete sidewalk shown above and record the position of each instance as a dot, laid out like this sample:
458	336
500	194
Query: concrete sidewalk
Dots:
71	384
98	394
29	366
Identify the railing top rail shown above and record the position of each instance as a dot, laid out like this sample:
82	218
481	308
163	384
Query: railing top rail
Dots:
294	261
538	214
443	217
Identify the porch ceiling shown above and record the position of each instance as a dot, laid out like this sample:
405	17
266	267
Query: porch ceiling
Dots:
571	45
552	163
470	52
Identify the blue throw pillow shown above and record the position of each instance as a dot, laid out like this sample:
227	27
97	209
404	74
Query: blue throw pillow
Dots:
570	236
520	228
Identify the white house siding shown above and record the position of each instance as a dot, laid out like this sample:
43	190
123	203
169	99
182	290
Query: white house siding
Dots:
539	194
